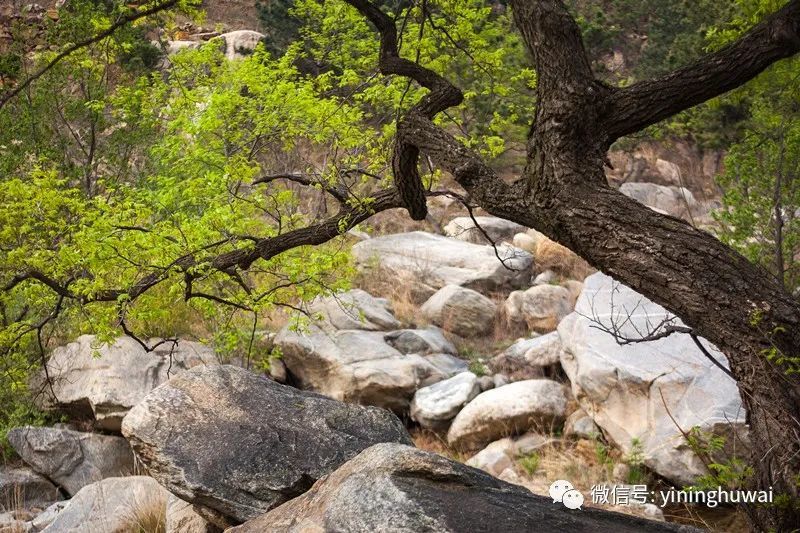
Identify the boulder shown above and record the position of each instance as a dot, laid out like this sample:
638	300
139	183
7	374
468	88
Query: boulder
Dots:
639	392
580	425
398	489
240	43
508	410
355	309
72	459
530	358
235	444
46	517
182	518
425	341
114	505
498	229
355	366
461	311
539	308
23	488
676	201
428	262
436	405
103	382
495	458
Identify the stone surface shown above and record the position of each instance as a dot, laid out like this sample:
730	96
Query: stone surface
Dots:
580	425
104	382
530	358
391	488
493	459
461	311
508	410
436	405
428	262
182	518
498	229
46	517
355	309
237	444
240	43
114	505
72	459
23	488
356	366
539	308
429	340
621	387
676	201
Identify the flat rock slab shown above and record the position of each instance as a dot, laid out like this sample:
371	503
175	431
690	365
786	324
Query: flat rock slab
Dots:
237	444
391	488
72	459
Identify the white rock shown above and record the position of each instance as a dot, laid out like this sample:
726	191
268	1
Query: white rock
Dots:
428	262
459	310
495	458
356	366
675	201
540	308
498	229
436	405
621	387
508	410
355	309
105	382
581	425
240	43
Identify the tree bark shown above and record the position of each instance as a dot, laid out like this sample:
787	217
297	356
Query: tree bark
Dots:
565	195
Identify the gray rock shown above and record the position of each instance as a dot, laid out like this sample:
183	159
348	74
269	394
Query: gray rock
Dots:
428	262
676	201
530	358
70	458
539	308
459	310
237	444
240	43
498	229
355	309
420	341
48	516
508	410
493	459
446	366
639	392
114	505
278	371
105	382
545	278
435	406
398	489
355	366
486	383
22	488
581	425
182	518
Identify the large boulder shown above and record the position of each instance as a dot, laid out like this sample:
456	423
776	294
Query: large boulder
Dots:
104	381
114	505
355	309
639	392
357	366
676	201
428	262
424	341
436	405
398	489
23	488
498	229
240	43
508	410
539	308
461	311
235	444
72	459
529	358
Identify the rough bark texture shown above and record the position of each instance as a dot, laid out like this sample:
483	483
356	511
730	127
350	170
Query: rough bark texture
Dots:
564	194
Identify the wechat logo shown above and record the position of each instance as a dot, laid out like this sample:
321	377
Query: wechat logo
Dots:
562	491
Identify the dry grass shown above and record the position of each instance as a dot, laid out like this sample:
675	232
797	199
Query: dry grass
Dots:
147	513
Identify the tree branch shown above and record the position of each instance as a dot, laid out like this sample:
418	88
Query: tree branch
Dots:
630	109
